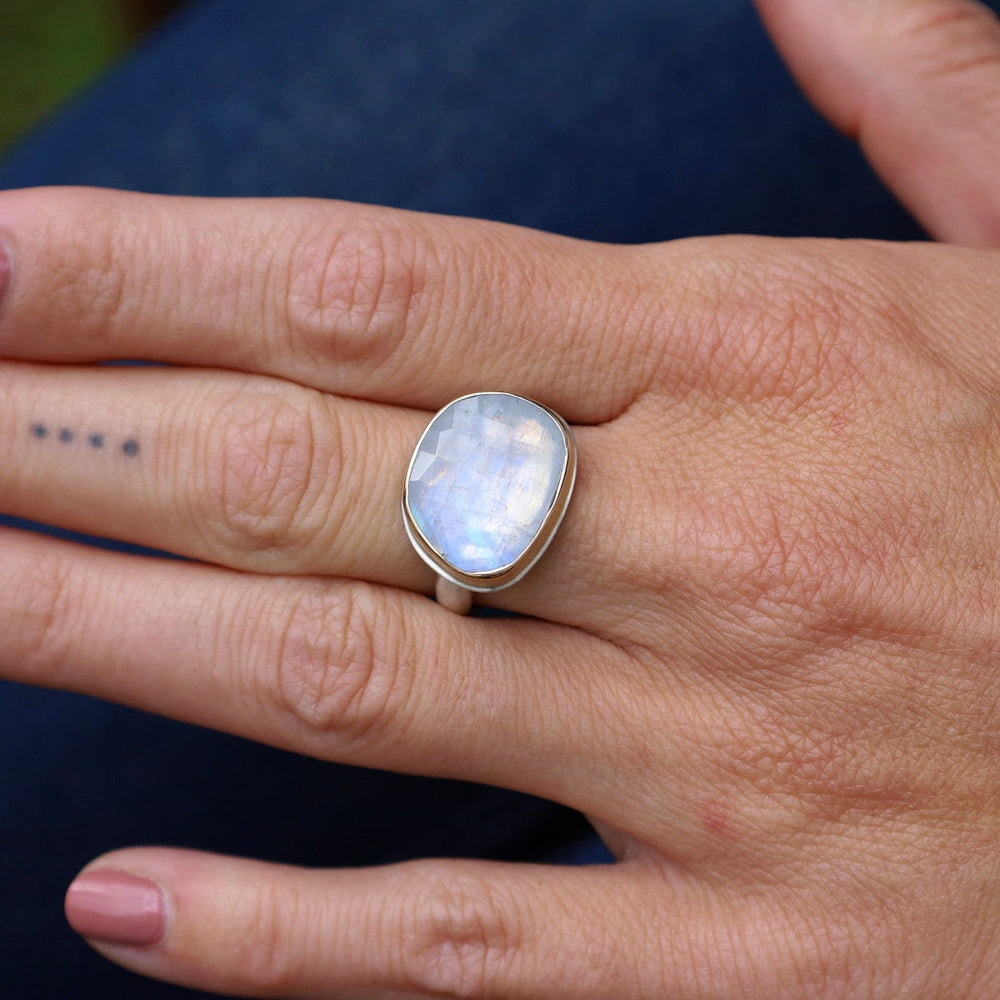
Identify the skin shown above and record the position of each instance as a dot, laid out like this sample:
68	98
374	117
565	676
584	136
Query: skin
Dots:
764	645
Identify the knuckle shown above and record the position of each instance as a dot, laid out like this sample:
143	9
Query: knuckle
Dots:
89	257
338	665
267	462
353	288
777	325
46	630
787	948
810	508
461	939
946	38
268	941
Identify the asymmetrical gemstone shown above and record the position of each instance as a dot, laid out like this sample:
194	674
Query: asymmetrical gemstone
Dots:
484	480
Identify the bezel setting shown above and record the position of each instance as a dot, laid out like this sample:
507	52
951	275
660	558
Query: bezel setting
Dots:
502	576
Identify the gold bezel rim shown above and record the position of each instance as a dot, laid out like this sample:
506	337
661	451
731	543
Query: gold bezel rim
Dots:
505	576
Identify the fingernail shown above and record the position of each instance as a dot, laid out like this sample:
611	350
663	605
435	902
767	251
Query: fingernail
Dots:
116	908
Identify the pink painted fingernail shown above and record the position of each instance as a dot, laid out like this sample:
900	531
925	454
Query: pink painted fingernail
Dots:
116	908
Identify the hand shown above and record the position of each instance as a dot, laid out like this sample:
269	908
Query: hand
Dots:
762	647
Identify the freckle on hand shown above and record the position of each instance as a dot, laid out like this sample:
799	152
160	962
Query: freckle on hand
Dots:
131	447
96	440
65	435
715	819
39	430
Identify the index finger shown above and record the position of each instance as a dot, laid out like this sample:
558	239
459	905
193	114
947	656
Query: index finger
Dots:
382	304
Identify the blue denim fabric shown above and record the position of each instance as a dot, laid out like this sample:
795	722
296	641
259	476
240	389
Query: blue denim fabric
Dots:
628	121
622	121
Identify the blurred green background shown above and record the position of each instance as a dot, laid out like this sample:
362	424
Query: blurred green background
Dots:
51	48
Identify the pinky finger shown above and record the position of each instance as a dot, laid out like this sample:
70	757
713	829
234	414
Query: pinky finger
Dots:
420	929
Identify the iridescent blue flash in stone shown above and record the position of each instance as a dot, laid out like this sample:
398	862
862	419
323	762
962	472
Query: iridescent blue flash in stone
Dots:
487	480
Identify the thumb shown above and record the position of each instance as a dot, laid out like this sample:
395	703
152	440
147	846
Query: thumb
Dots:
917	82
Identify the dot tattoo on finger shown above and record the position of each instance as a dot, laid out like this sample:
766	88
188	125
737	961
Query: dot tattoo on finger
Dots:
95	439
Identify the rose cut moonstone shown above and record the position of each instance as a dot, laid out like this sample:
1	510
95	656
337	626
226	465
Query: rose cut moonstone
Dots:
484	479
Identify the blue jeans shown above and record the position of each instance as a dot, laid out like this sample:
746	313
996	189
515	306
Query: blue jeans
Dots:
620	121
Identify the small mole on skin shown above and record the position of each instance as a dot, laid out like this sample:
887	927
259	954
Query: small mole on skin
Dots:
131	447
65	435
715	820
96	440
39	430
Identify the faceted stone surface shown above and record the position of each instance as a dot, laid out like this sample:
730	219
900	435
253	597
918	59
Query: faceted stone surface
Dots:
484	478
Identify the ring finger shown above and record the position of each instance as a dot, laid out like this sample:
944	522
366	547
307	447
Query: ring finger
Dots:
247	472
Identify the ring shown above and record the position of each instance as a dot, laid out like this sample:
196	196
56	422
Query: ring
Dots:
486	489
